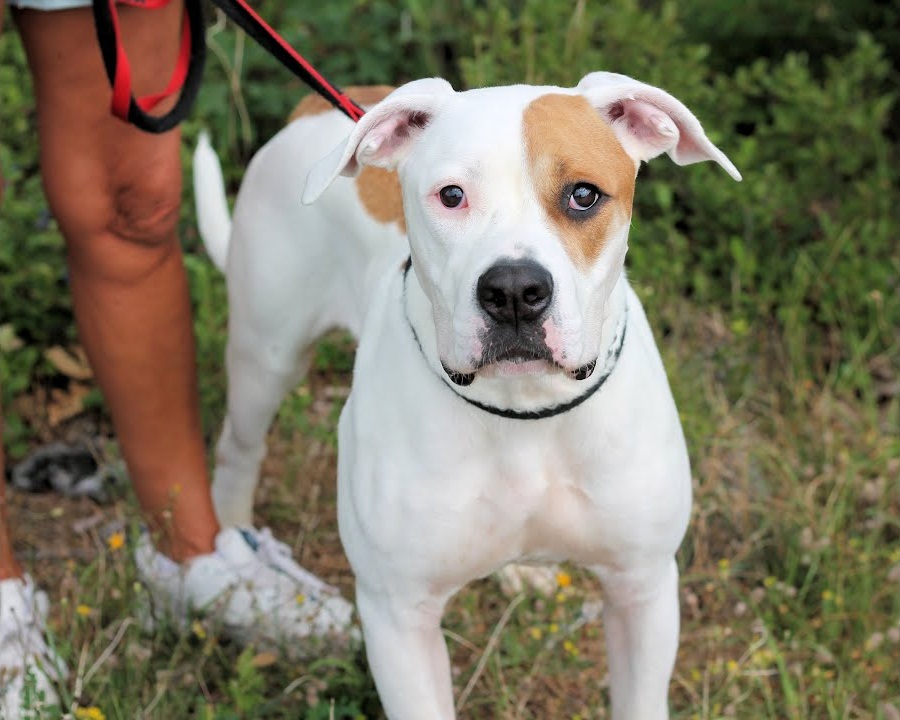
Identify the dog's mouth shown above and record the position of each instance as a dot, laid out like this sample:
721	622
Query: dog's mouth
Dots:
515	364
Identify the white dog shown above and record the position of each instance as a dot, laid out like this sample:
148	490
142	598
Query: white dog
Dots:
509	403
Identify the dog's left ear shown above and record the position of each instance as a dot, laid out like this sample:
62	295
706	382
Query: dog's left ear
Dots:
648	121
382	135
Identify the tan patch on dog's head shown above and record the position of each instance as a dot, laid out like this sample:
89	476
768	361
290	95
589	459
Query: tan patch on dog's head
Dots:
365	95
379	192
567	143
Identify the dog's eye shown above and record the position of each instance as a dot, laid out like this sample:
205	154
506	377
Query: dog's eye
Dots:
452	196
584	197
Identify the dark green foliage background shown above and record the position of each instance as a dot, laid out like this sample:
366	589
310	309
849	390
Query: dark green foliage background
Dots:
802	96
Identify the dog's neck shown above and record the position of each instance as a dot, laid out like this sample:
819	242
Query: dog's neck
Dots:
523	397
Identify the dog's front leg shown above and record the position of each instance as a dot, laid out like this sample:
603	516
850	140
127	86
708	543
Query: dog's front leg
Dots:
640	621
407	655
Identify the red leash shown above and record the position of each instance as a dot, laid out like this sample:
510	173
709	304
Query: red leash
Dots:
189	66
257	28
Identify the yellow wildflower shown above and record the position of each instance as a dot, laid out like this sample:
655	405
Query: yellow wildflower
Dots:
198	629
83	610
563	579
116	541
89	713
536	633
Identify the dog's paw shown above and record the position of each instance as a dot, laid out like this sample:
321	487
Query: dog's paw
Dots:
518	578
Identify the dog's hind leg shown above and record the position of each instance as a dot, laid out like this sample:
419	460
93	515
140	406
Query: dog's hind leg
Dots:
640	621
254	395
276	317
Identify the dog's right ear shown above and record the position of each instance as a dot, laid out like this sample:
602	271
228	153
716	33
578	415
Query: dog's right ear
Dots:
382	135
648	121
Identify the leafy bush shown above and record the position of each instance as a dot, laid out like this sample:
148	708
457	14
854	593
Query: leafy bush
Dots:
809	238
35	310
739	32
31	262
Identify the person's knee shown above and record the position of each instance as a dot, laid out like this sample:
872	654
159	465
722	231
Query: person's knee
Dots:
133	199
146	212
120	228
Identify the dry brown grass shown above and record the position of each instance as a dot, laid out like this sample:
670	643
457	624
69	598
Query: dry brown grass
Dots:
790	572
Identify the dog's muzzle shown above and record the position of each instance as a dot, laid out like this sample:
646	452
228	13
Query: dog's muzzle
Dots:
582	373
514	296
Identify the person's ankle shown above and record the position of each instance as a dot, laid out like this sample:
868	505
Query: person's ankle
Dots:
10	570
183	548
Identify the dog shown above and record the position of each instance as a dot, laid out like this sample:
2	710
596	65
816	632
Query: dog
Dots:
508	404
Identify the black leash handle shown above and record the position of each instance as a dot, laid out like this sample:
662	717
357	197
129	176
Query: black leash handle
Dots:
106	24
126	107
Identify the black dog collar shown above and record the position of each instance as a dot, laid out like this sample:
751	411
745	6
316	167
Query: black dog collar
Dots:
612	357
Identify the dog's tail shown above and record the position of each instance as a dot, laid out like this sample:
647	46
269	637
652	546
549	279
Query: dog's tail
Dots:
213	218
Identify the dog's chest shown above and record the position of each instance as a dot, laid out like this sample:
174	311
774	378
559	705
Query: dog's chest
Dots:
507	502
542	504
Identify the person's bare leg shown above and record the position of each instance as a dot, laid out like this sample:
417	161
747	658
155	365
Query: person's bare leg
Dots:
115	192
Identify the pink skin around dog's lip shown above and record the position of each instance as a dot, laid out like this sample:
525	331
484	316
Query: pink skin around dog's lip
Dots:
554	341
512	368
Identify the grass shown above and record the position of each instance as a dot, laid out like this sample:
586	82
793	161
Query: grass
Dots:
790	572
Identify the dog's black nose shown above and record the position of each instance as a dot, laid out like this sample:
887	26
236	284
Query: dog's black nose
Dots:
515	291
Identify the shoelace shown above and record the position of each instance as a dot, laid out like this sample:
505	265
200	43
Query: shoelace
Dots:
278	554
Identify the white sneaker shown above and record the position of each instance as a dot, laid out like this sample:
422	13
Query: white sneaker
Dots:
29	667
253	587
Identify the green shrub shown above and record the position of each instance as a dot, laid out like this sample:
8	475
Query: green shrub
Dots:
35	309
809	238
32	292
739	32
